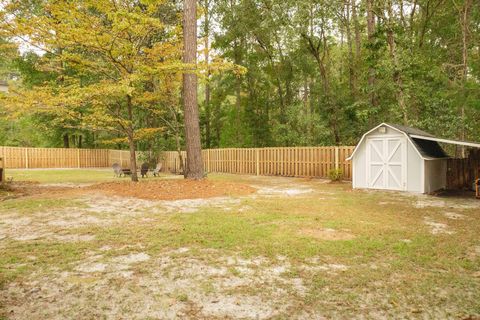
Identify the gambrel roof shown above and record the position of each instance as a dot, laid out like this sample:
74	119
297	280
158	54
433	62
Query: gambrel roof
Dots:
426	144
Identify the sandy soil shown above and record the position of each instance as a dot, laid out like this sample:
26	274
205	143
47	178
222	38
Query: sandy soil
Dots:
177	285
128	282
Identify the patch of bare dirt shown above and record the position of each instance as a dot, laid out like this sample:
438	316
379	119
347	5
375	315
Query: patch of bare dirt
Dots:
437	227
35	189
174	189
59	224
193	205
454	215
48	224
282	190
117	205
425	201
169	286
327	234
420	204
474	253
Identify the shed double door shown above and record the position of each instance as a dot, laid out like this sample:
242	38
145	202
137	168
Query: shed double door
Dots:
386	163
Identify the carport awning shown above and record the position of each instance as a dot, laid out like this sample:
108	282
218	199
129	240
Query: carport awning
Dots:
457	142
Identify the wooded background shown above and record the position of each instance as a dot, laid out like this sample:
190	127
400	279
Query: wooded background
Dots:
307	72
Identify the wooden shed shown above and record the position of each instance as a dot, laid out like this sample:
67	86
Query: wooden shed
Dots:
396	157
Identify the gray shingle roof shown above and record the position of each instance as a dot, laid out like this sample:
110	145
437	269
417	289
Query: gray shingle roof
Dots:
427	144
410	130
427	148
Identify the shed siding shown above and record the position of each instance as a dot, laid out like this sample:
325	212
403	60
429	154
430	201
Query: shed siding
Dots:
414	169
435	175
359	162
360	167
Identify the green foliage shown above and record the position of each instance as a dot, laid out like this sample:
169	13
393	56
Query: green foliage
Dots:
335	175
307	63
105	68
150	157
305	72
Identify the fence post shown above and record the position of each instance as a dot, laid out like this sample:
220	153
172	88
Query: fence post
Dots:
26	158
4	157
257	161
337	158
208	160
78	157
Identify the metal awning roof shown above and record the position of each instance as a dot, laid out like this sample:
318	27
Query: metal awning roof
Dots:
457	142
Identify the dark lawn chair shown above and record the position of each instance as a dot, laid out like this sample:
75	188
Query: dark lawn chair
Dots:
117	170
127	172
156	171
144	170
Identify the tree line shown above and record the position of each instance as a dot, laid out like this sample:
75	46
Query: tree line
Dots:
323	72
270	73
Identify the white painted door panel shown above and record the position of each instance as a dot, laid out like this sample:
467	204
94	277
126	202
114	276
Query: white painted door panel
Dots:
386	163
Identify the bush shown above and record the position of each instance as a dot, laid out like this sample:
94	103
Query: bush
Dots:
335	175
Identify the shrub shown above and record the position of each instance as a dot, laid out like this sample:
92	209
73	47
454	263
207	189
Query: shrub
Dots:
335	175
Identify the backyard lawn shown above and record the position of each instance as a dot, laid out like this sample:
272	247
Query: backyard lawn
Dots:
74	246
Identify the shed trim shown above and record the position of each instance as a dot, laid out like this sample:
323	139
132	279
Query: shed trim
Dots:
393	128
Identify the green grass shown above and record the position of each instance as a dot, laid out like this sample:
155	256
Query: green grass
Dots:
66	175
392	254
62	175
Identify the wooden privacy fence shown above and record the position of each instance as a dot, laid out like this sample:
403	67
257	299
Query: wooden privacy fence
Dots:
462	173
121	157
290	162
25	158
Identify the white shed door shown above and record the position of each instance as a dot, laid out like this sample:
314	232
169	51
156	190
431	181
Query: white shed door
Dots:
386	163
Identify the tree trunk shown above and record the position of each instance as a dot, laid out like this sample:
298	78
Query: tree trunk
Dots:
180	155
286	71
238	96
217	124
465	20
397	73
194	168
351	58
358	37
133	158
178	143
131	141
66	141
208	112
370	35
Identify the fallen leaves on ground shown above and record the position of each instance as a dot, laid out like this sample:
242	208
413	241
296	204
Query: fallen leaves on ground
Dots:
174	189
